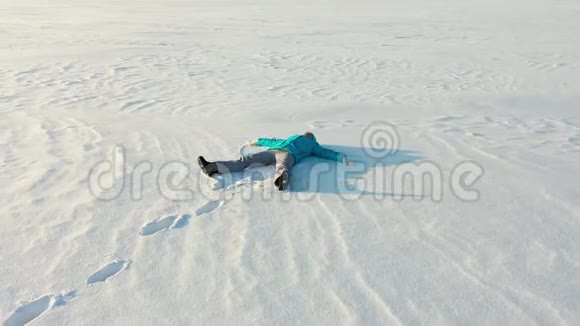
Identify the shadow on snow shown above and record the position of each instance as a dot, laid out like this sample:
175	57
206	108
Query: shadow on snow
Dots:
317	175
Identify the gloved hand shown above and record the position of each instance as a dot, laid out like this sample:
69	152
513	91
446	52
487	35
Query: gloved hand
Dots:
345	160
252	143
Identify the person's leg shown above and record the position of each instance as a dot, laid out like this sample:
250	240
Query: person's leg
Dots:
284	162
258	159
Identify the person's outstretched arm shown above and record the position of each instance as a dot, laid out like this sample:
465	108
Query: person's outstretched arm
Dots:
328	154
267	142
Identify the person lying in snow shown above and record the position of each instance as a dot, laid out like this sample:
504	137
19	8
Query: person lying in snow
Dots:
283	153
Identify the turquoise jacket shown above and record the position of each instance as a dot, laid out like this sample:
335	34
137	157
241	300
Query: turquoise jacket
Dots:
300	146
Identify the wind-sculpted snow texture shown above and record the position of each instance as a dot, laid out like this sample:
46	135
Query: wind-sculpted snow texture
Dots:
106	220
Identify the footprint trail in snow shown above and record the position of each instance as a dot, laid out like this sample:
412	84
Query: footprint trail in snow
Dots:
29	311
108	271
209	207
165	223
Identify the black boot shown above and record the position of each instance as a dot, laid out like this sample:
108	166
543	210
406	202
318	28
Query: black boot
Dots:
208	168
282	181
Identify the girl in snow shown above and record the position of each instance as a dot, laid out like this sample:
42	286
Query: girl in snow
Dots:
283	153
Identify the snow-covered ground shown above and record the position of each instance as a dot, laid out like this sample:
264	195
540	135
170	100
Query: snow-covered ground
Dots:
465	87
